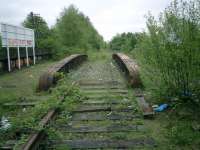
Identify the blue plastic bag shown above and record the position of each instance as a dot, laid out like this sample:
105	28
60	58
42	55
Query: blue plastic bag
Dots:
161	108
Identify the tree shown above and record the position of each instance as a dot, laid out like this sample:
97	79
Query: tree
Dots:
123	42
42	32
169	52
75	32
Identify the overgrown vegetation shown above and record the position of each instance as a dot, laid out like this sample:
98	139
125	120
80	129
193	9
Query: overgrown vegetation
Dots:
20	87
124	42
169	52
43	35
169	59
28	120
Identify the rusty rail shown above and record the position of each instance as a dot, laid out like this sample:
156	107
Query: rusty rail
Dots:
48	78
35	138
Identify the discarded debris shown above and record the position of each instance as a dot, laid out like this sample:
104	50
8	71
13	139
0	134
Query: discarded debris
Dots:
161	108
155	106
109	113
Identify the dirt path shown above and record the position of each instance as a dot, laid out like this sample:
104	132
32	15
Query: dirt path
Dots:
108	118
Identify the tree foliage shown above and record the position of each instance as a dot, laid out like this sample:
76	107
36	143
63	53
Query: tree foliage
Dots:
43	35
124	41
169	52
72	33
75	31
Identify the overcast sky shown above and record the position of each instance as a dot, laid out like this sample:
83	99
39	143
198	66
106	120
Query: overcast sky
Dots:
108	16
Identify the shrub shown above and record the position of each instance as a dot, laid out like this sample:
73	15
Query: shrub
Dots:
169	52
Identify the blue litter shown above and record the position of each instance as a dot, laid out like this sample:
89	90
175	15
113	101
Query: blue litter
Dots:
161	108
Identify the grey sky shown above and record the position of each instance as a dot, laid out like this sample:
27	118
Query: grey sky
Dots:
108	16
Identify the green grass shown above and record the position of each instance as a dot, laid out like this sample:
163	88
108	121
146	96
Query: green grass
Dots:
28	119
21	83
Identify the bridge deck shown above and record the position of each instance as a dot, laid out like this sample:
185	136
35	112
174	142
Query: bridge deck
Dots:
109	117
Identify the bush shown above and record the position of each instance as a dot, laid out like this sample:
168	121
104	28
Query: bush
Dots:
169	52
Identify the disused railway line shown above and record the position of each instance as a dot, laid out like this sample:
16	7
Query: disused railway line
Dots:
45	82
97	109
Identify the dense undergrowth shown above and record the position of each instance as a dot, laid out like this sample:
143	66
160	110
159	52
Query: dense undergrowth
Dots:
169	52
169	59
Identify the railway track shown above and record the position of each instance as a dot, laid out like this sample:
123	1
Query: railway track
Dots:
109	117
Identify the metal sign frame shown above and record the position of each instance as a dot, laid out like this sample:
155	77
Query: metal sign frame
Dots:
16	36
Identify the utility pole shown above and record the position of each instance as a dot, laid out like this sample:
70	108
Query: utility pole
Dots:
35	24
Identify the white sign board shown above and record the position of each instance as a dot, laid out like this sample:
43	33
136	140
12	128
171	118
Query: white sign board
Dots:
14	36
